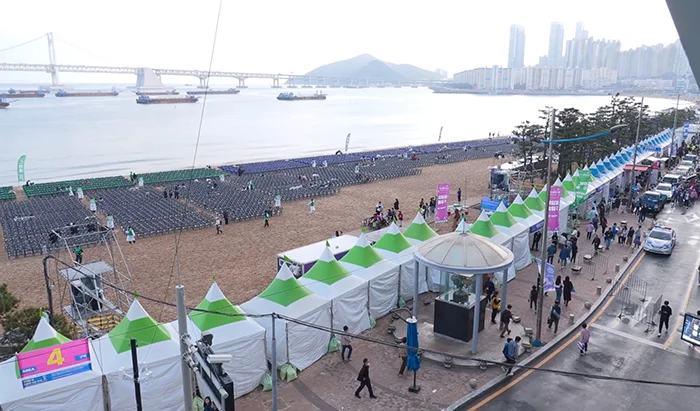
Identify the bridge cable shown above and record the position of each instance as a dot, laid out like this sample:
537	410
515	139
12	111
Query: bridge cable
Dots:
88	52
25	43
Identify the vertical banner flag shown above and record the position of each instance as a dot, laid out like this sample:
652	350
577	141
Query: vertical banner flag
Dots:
20	168
584	176
548	275
580	190
553	208
443	197
440	135
686	129
347	143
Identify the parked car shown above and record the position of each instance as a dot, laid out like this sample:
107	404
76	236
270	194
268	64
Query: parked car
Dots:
666	190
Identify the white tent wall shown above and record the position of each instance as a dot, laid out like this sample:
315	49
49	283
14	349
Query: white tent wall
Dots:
163	391
351	309
306	344
84	389
280	336
383	290
521	250
408	278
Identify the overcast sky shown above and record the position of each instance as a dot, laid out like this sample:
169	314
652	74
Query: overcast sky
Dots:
296	36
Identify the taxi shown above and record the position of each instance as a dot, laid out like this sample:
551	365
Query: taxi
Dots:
661	240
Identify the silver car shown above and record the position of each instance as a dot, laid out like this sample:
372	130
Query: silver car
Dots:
665	189
660	240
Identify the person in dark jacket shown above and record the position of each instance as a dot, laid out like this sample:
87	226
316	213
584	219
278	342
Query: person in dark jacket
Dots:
666	313
568	288
574	251
489	288
536	241
225	217
363	378
506	316
534	295
554	316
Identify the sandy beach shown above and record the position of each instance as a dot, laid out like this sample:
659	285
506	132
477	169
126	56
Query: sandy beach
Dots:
243	258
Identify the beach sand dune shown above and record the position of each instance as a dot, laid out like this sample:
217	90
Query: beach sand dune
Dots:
243	258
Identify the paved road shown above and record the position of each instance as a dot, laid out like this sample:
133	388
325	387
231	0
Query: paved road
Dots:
625	346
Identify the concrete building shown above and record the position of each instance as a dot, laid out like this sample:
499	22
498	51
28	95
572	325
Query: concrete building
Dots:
556	44
516	47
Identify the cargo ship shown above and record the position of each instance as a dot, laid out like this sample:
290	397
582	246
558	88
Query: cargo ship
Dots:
22	94
4	104
63	93
158	93
294	97
210	91
166	100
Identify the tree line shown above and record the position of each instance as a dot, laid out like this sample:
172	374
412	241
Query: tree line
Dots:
572	123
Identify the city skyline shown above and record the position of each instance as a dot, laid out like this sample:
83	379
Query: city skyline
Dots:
516	47
258	37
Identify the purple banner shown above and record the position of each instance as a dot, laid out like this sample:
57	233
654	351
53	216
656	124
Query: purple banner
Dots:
443	198
553	209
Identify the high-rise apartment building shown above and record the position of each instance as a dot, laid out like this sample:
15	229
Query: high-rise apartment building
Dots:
516	47
581	33
556	44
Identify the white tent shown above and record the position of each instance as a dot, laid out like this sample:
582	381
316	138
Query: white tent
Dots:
347	293
297	344
303	258
365	262
418	232
81	390
485	228
395	247
524	215
519	234
241	337
159	362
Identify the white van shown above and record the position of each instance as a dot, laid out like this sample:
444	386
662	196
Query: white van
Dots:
672	179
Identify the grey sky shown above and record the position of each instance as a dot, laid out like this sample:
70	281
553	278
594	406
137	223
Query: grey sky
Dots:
296	36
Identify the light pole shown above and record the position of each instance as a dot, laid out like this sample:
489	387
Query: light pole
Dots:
545	234
634	156
673	136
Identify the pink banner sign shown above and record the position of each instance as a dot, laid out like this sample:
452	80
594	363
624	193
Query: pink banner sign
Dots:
553	209
56	357
441	203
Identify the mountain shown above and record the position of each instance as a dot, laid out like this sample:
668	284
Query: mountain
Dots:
367	66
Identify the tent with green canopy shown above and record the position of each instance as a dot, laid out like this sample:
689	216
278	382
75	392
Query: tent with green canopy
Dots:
395	247
47	390
534	203
365	262
519	243
419	231
297	344
239	336
346	292
485	228
159	352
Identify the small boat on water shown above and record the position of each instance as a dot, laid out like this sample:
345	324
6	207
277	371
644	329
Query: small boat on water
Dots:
157	93
294	97
166	100
4	104
22	94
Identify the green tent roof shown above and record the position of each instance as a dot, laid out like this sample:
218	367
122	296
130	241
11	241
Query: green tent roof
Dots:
419	229
483	227
533	201
568	183
519	209
327	269
139	325
393	240
502	217
543	194
564	192
576	178
362	254
44	336
214	301
285	289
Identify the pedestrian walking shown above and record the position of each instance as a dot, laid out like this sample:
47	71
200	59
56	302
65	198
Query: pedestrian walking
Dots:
666	313
574	251
568	289
345	344
638	237
608	236
506	316
589	230
630	236
459	195
558	288
615	230
78	254
623	236
218	226
603	224
130	236
495	307
534	295
554	316
536	238
564	254
513	352
595	222
312	206
490	289
403	354
363	378
585	338
396	204
551	250
596	243
266	215
225	217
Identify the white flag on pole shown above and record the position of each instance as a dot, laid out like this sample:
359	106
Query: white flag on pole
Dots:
347	143
440	135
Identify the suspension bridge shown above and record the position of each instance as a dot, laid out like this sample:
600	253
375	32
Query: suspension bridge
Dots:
151	77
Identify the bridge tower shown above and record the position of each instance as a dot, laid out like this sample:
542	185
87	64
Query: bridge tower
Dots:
52	60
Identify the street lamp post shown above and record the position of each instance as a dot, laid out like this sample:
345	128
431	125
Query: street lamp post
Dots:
634	157
543	264
673	136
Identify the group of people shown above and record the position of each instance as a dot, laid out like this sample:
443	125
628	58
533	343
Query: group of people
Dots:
381	219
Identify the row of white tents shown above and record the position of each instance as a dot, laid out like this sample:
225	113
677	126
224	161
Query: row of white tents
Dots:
366	283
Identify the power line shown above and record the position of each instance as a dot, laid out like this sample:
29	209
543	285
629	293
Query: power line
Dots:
25	43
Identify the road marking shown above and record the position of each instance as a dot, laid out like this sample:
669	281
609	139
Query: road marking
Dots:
628	336
527	373
686	301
